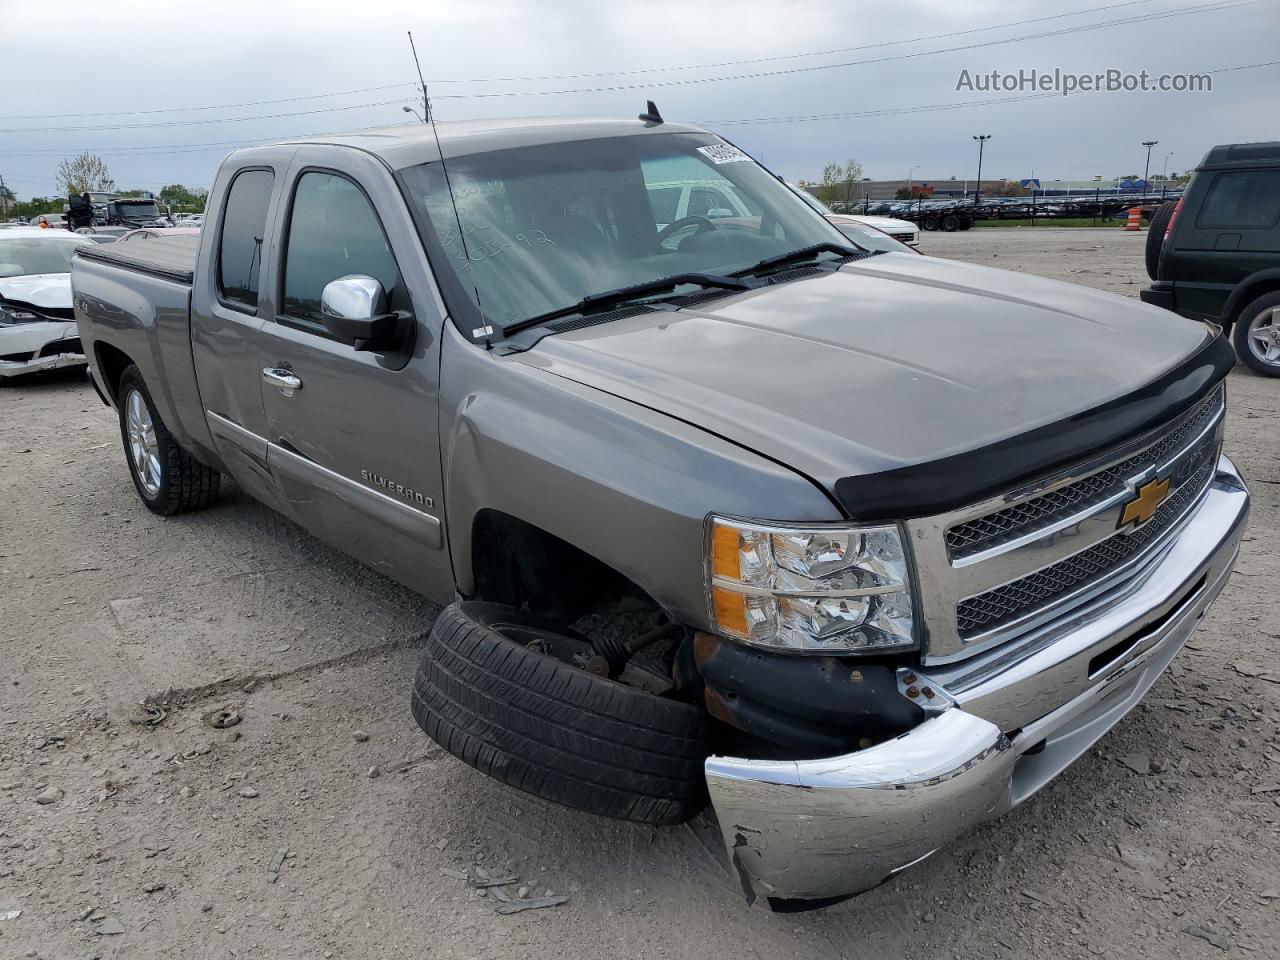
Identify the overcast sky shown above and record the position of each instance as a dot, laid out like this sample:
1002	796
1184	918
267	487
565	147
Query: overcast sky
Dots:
159	60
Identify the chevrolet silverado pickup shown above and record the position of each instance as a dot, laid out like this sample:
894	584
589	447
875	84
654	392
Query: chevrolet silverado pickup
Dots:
859	548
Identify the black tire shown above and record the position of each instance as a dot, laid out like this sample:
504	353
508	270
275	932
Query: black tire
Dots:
183	483
950	223
548	728
966	223
929	223
1155	236
1268	303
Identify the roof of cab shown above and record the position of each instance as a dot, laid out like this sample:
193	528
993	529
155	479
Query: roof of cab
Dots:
1242	153
406	145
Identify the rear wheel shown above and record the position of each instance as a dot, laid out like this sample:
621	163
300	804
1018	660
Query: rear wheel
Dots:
930	223
168	479
950	223
1256	334
493	690
1155	236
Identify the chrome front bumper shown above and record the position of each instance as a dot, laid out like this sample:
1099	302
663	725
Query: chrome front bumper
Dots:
1005	726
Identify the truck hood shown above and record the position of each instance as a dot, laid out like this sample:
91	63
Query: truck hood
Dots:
50	291
888	362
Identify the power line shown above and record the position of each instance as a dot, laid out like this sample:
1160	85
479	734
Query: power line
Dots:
164	149
932	107
1218	5
220	106
1203	8
796	56
575	76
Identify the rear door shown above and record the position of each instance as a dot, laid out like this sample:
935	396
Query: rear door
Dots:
228	304
1232	232
353	435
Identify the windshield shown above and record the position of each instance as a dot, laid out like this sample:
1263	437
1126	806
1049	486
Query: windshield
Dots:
545	226
143	210
22	256
102	197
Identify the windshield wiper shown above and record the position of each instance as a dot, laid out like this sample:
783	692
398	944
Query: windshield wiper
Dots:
637	291
798	256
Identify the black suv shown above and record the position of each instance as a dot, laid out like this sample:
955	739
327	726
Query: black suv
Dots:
1215	254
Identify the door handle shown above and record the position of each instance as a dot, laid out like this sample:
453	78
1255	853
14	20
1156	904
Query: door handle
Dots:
282	378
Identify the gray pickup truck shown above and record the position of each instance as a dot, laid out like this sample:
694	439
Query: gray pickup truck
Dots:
861	548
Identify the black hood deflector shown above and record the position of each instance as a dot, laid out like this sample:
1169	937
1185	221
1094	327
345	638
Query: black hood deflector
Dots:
939	486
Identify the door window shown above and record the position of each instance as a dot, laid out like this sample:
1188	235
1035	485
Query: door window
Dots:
243	227
1247	200
333	232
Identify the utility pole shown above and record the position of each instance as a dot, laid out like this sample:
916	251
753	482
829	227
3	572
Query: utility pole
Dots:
982	142
1147	169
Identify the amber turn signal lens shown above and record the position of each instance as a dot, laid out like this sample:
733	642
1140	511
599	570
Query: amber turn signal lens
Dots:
726	542
731	611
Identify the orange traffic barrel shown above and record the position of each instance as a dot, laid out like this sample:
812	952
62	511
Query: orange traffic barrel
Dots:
1135	219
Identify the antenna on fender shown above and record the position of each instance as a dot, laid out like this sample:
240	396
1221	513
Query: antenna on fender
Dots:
484	330
651	114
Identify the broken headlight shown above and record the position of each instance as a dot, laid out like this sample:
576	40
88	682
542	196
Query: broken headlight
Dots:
809	589
10	315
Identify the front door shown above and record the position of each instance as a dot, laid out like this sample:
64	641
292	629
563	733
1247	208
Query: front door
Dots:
352	434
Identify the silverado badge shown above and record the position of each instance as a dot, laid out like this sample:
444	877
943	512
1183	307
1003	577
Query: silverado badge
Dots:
1143	506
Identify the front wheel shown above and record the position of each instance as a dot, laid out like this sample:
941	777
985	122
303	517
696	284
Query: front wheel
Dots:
168	479
1256	335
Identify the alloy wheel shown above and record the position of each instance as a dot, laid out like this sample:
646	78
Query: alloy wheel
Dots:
144	448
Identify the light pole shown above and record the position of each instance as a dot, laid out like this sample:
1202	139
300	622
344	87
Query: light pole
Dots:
415	113
1147	169
982	142
910	174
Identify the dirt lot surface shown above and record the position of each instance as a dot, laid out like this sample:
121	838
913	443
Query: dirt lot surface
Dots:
324	824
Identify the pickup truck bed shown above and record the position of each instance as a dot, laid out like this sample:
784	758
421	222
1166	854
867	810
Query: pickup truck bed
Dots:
172	258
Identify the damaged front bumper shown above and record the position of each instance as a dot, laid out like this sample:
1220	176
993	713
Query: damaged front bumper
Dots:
35	347
1008	724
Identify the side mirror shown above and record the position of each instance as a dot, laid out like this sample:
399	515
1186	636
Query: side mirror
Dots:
354	310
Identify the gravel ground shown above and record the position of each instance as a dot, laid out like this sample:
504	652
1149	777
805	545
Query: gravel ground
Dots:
323	824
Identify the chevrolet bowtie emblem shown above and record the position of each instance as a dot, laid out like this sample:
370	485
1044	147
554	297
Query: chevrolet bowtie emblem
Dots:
1144	506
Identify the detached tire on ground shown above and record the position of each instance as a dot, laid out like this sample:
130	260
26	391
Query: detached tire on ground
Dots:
551	729
168	479
1155	236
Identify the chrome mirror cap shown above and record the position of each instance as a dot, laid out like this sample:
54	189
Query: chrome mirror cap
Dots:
354	297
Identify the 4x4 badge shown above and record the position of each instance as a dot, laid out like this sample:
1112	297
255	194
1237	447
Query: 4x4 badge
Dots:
1144	506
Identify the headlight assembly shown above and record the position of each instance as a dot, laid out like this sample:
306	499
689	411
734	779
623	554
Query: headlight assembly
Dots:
809	588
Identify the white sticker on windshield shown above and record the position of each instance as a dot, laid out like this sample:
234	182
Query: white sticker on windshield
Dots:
723	153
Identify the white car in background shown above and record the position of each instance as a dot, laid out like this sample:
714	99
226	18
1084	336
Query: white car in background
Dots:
904	231
37	326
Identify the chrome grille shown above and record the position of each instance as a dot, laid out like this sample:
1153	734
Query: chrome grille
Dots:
1010	602
991	530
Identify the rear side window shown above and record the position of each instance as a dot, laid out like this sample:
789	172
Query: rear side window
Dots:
1247	200
333	232
243	227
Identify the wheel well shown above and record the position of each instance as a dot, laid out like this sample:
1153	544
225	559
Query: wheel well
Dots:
1251	293
517	563
112	363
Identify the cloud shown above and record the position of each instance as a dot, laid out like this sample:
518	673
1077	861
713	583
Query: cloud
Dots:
144	55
